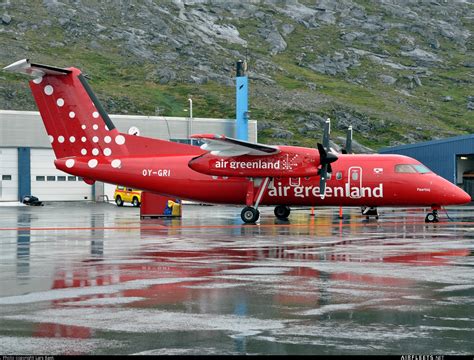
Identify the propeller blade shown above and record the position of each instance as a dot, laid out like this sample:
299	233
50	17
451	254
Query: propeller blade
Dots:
322	181
349	140
322	152
326	158
327	132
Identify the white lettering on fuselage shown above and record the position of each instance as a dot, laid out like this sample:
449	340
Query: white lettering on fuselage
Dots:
423	189
258	164
335	191
158	172
284	163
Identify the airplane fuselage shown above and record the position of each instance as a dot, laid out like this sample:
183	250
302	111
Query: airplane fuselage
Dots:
356	180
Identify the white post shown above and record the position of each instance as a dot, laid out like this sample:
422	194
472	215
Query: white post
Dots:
190	118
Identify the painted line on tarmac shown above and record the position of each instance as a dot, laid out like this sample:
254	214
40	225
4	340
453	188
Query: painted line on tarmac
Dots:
163	227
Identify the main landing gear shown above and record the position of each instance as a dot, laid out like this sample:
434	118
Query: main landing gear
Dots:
282	212
250	213
432	216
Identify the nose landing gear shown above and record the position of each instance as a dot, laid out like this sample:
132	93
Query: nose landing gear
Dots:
432	216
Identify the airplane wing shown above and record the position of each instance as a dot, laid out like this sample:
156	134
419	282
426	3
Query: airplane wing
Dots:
221	145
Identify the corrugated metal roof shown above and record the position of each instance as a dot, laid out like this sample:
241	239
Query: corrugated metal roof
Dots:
427	143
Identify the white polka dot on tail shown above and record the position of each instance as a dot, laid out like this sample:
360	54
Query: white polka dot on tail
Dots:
72	139
116	163
95	127
60	102
107	152
95	114
83	139
51	139
72	114
95	139
61	139
120	139
92	163
38	80
48	90
95	152
84	152
69	163
83	127
107	139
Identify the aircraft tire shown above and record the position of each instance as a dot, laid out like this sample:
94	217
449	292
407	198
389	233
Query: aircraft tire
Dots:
282	212
119	201
249	215
430	217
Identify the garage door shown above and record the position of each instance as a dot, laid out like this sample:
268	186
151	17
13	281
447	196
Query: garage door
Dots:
50	184
8	174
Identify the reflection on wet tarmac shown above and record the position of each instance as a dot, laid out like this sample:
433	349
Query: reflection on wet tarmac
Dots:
102	281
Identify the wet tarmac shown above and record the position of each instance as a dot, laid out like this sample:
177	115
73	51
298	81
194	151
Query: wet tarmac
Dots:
85	278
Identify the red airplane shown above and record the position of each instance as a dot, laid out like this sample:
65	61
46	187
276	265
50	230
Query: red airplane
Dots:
224	170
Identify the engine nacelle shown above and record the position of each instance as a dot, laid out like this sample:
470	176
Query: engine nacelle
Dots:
283	164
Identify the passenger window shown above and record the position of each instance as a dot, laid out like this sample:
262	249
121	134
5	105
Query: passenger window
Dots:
404	168
71	178
6	177
339	175
61	178
129	189
51	178
40	178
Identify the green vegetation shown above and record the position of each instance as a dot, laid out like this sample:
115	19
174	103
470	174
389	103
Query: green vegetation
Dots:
402	111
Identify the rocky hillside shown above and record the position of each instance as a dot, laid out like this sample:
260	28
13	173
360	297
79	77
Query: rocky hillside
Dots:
399	71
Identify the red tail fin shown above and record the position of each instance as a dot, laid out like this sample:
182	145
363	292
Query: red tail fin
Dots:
77	124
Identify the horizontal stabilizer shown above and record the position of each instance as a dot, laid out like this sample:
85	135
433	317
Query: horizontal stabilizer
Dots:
36	70
221	145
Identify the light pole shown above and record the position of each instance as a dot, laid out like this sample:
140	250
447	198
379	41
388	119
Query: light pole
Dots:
190	118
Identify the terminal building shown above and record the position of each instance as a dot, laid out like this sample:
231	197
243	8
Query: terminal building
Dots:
451	158
27	159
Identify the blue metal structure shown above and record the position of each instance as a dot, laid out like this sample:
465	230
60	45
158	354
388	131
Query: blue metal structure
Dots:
241	102
439	155
24	172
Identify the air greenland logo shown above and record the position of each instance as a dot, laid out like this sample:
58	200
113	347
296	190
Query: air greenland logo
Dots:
335	191
254	164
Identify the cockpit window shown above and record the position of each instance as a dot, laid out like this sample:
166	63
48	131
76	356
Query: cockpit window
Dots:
422	169
412	168
404	168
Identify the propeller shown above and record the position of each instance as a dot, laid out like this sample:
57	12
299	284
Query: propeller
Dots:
325	159
348	147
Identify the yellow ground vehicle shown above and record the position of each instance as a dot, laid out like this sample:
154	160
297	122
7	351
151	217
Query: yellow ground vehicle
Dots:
124	194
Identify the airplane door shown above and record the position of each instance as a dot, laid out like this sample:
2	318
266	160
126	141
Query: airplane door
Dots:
355	182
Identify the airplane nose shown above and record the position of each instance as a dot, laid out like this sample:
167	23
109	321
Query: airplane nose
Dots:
460	196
